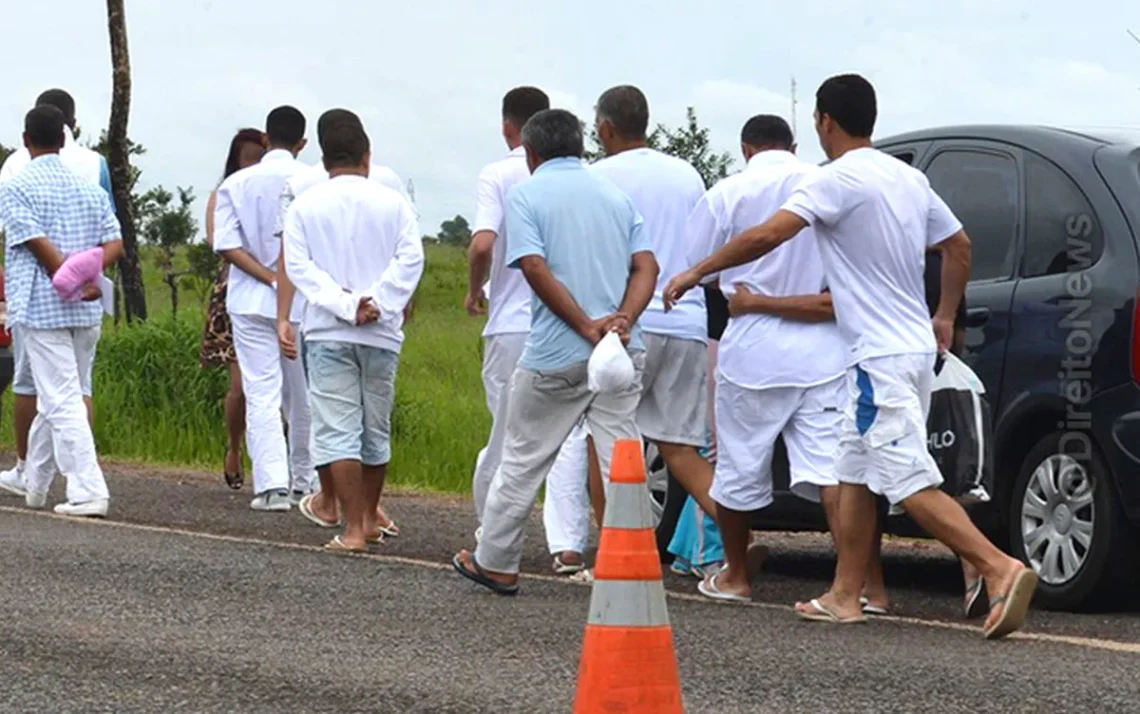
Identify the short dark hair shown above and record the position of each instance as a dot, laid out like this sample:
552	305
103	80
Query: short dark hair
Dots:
849	100
285	126
335	116
554	134
62	101
627	109
521	103
344	144
44	126
767	130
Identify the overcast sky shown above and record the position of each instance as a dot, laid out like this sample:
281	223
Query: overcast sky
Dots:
427	76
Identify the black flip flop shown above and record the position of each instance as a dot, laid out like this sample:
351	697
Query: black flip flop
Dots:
480	577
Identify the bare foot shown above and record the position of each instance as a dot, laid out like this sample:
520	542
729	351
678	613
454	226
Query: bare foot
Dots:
324	508
233	463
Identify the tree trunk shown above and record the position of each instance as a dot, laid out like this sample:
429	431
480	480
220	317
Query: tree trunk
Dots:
134	296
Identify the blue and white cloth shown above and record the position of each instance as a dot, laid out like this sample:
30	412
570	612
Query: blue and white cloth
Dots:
48	200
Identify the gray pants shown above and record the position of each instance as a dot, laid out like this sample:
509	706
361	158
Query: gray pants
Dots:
544	408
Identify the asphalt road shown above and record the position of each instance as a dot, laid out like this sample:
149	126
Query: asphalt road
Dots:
188	602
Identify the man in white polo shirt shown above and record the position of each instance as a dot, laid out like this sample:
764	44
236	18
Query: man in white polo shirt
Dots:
673	411
92	166
875	217
780	364
245	219
566	511
354	251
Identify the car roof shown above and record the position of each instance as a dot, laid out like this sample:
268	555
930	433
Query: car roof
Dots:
1020	134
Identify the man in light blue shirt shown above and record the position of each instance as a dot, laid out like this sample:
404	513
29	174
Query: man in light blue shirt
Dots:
581	245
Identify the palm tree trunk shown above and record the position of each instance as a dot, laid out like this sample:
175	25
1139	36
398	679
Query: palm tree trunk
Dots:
134	296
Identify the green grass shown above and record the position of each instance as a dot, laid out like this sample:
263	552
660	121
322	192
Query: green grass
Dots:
154	403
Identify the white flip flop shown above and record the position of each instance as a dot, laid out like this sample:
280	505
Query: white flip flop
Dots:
708	588
825	614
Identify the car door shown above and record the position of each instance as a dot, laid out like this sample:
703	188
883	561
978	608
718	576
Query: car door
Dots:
982	183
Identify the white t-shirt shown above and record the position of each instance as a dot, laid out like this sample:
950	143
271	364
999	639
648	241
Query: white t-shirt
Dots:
875	217
246	216
509	294
760	351
347	238
664	189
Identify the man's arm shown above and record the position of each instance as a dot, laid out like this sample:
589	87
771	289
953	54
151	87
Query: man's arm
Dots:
746	247
556	297
227	240
479	255
394	290
801	308
46	253
23	228
315	285
955	274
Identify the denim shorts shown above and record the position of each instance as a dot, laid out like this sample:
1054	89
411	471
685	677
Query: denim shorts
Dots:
351	391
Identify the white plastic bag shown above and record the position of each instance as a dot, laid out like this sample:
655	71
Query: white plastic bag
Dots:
610	370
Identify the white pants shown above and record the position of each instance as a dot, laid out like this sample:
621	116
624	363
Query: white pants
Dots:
61	435
566	510
270	381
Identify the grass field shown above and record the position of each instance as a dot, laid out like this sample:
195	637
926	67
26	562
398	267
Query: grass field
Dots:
154	403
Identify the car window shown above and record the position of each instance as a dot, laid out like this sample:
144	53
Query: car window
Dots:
982	190
1062	232
904	155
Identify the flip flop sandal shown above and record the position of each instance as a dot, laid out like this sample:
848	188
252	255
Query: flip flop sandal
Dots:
975	603
375	541
1015	605
709	589
869	609
825	614
585	576
562	568
306	509
234	481
336	545
391	530
480	577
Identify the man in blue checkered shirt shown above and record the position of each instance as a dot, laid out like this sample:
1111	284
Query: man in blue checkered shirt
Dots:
49	213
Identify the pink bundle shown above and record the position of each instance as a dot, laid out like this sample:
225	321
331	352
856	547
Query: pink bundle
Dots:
77	271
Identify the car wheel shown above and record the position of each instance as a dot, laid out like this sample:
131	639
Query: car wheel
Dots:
1066	522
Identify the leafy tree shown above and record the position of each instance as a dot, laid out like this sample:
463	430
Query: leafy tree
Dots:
689	142
455	232
168	226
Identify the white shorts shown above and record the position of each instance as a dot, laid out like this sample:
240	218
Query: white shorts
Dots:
674	397
748	422
883	439
22	382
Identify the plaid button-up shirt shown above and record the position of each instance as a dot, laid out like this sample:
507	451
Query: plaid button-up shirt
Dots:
48	200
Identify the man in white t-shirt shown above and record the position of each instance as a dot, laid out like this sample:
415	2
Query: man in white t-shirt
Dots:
354	250
245	221
566	510
92	166
875	217
320	506
781	360
673	411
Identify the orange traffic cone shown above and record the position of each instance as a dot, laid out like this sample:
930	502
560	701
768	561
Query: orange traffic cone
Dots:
628	662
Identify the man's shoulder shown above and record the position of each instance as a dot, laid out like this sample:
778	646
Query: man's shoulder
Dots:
505	172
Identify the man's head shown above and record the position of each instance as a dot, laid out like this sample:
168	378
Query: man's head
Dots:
285	129
333	117
766	132
622	118
552	134
344	145
845	113
62	101
43	130
519	105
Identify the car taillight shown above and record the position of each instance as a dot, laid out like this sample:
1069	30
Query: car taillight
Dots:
1136	340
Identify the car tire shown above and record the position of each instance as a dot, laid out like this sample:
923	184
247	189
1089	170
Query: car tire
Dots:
1065	520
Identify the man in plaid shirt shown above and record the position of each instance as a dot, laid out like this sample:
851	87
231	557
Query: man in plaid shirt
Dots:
49	213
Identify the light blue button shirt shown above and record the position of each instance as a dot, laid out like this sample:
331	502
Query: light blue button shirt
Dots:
587	231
